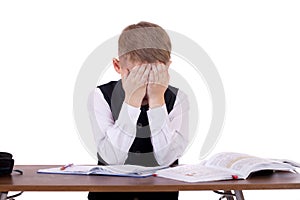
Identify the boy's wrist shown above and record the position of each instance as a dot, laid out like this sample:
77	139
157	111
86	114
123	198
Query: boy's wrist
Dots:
156	102
133	102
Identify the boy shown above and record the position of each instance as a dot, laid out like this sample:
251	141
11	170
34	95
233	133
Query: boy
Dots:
140	120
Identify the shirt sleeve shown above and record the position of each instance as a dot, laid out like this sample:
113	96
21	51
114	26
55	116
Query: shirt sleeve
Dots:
113	138
170	132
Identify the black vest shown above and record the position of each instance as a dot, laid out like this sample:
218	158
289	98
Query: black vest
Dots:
141	151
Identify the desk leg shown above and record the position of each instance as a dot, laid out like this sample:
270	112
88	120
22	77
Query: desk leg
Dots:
230	196
3	195
227	196
239	195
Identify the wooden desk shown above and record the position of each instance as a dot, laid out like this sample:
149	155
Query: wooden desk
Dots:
31	181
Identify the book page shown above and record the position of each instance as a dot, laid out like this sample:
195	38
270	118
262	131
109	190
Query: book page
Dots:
225	160
74	169
194	173
81	168
244	164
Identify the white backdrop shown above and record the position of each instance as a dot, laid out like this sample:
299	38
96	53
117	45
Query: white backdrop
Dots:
255	46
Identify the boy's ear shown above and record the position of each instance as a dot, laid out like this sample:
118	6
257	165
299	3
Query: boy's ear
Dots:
168	63
117	66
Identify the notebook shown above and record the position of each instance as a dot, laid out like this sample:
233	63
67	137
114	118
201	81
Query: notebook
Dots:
110	170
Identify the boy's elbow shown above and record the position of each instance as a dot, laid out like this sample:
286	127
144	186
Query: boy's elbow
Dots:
111	157
166	158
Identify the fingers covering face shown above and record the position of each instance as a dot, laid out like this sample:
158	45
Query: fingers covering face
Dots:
160	73
149	73
145	75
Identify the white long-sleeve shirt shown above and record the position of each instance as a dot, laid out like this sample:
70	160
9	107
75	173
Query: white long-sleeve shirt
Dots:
169	132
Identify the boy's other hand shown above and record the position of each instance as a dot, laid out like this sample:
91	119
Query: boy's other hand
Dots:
135	84
157	85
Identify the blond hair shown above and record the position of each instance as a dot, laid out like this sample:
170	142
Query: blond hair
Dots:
145	42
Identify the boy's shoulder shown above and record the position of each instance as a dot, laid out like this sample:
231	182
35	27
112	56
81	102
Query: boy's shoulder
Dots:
109	84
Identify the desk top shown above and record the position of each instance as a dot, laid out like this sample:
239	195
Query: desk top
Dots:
32	181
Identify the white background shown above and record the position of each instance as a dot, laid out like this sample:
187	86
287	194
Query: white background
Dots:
255	46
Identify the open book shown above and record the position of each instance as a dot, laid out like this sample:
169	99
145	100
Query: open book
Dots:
111	170
224	166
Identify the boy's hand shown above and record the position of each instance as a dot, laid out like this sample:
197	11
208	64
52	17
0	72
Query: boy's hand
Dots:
157	85
135	83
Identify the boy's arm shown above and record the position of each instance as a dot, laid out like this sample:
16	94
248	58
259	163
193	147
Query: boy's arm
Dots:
170	132
113	138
